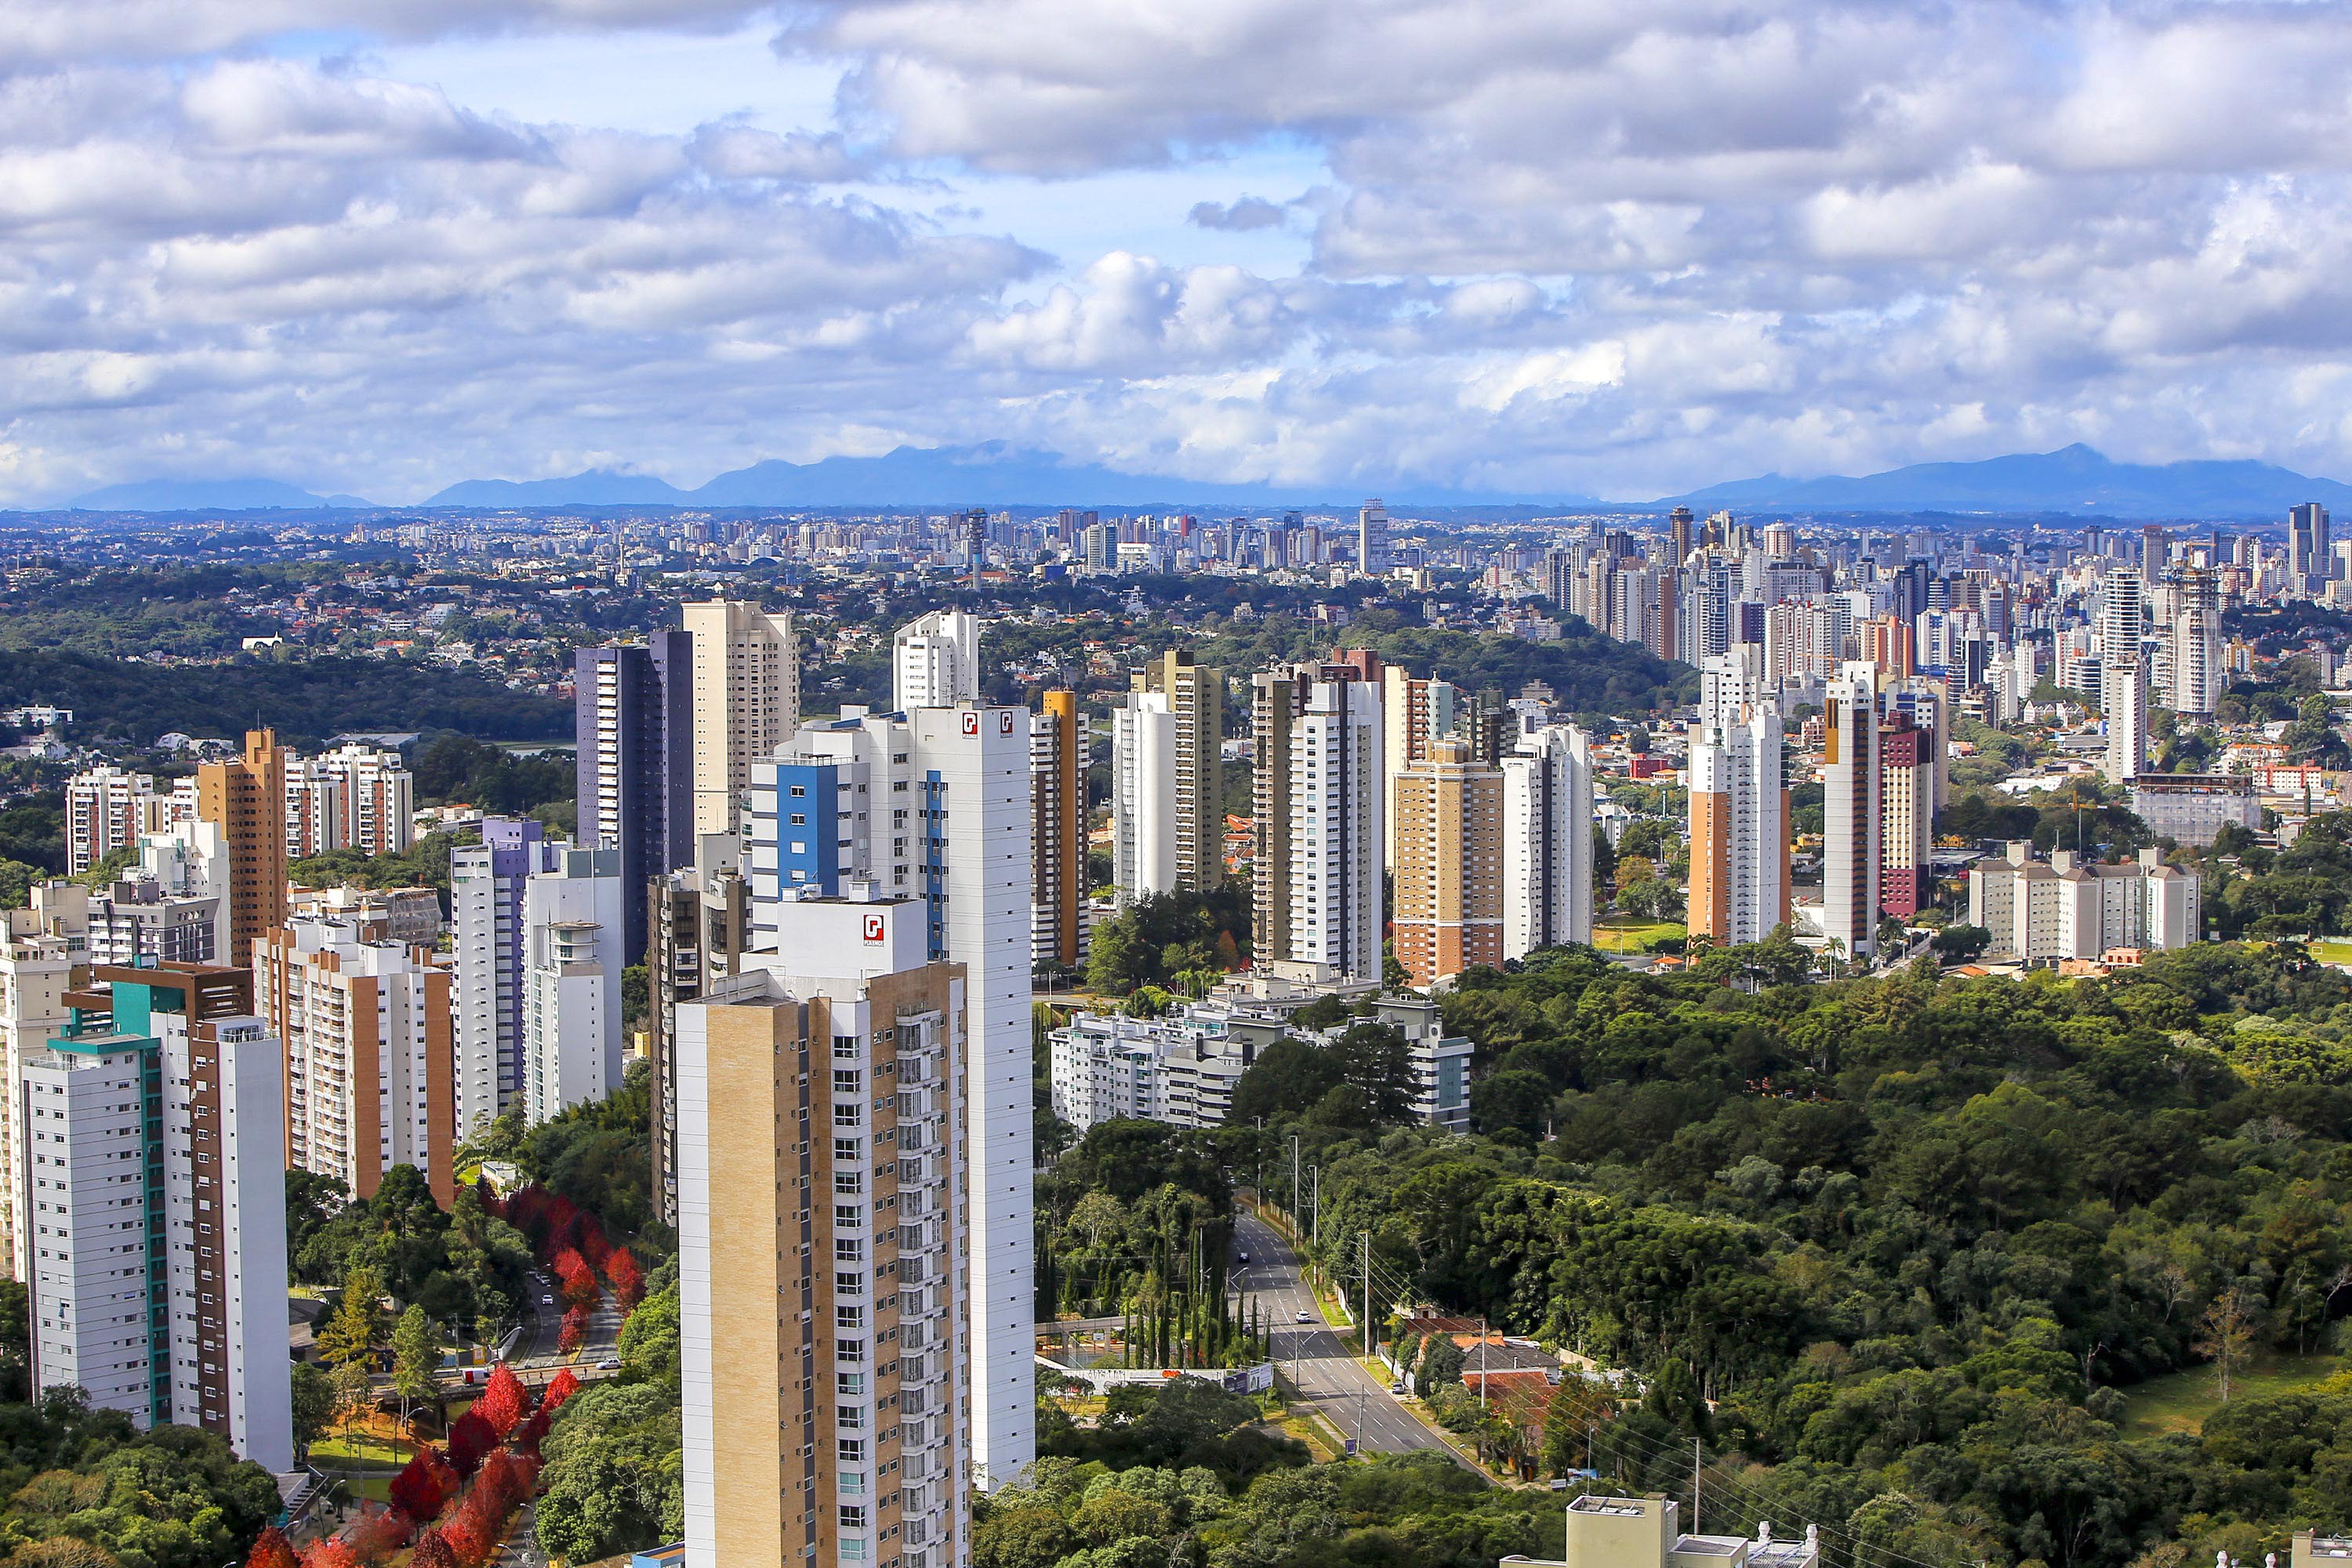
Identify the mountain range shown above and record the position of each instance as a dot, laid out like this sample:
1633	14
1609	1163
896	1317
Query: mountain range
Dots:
993	473
2073	480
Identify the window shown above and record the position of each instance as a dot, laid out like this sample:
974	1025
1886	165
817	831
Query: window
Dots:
847	1080
853	1516
847	1149
847	1217
845	1047
800	789
848	1184
849	1317
850	1450
849	1384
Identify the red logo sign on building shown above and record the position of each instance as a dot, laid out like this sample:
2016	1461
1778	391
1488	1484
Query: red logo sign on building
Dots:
874	928
971	722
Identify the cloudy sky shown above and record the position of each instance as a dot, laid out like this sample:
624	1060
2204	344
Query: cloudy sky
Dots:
1574	246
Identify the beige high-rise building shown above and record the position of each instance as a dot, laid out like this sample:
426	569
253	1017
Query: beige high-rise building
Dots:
747	701
1057	775
245	799
369	1062
1448	825
825	1371
1196	696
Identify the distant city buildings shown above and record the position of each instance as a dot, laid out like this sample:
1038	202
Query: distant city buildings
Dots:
2064	908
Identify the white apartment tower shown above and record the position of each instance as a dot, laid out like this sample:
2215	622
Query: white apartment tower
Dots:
1143	796
1852	812
2123	677
747	701
152	1144
935	661
486	897
935	805
1334	766
572	959
1548	841
1739	825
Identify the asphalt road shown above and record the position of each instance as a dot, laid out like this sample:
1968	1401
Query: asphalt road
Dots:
545	1329
1317	1361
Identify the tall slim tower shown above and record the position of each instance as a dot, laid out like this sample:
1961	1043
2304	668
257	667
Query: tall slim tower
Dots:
2307	548
1906	811
1057	772
936	806
634	724
486	897
1196	696
1317	875
1372	538
747	701
935	661
1851	823
1547	830
823	1369
1739	825
1449	864
2123	677
245	799
1146	806
2196	671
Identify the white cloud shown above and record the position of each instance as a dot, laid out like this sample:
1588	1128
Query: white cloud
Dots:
1558	244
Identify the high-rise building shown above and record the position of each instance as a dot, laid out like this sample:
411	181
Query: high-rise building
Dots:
1058	780
36	972
634	705
366	1023
571	961
1449	864
109	810
1196	696
1852	822
2198	678
151	1212
356	797
700	919
936	804
486	898
1679	535
2123	677
1316	880
2062	909
935	661
1143	797
1738	824
2307	547
245	799
1547	829
1372	538
1413	714
1907	805
825	1369
747	701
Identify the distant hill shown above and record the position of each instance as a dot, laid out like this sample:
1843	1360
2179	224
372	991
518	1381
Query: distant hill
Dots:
2071	480
209	495
993	473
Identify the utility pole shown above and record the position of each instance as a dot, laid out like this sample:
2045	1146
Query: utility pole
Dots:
1482	1364
1372	1340
1294	1182
1360	1424
1696	1466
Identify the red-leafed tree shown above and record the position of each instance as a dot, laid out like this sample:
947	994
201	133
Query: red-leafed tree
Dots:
628	1279
376	1534
417	1491
574	1333
503	1402
559	1387
472	1536
470	1437
593	1244
578	1281
500	1484
528	1436
272	1550
432	1552
331	1552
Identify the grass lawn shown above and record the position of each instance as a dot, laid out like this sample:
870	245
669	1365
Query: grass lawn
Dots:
2180	1401
2334	950
1630	936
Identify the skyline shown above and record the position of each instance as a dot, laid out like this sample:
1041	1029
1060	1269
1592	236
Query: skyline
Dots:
1556	251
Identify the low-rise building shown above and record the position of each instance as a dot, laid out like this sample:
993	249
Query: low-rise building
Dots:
2061	909
2192	808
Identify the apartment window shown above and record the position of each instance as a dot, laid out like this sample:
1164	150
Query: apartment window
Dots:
845	1047
847	1149
853	1516
848	1249
849	1384
847	1217
848	1081
848	1184
849	1317
850	1450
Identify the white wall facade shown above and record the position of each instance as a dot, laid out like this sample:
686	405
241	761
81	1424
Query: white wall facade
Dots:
1143	796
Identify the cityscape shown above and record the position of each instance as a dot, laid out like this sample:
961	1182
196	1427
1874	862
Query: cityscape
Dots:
1133	875
985	784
